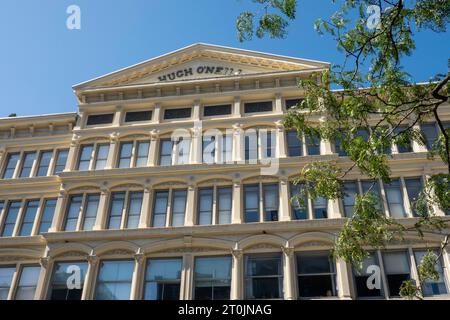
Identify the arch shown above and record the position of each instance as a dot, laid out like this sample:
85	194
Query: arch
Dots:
135	134
82	185
160	183
193	243
261	124
69	247
274	240
116	245
127	183
314	236
251	176
213	177
94	137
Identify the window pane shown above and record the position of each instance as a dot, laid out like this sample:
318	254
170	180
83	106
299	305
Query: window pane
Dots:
11	165
316	274
431	134
299	210
27	283
178	207
47	215
251	194
160	208
253	107
374	188
227	147
11	218
165	154
61	160
295	144
6	275
212	278
102	156
292	103
413	187
134	209
114	280
27	165
313	145
225	197
271	202
209	149
91	211
205	202
350	193
432	287
143	148
125	154
64	285
361	277
73	212
85	157
100	119
404	147
44	163
179	113
162	279
220	110
267	143
251	145
395	199
135	116
184	146
263	276
396	267
116	210
320	207
29	217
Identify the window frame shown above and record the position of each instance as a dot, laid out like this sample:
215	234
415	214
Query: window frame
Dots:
125	212
79	226
169	209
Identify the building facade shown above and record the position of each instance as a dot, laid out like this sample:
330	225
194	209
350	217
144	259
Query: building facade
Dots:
173	180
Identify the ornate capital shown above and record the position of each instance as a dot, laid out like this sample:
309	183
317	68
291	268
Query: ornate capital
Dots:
139	256
114	137
289	251
237	253
75	140
93	260
44	262
279	125
154	134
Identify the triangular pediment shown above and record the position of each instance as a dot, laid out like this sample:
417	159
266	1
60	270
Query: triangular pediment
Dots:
201	61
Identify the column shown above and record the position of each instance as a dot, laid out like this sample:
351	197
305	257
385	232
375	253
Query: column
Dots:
237	275
412	263
81	122
281	140
91	275
73	152
237	107
334	210
157	113
187	277
113	150
289	274
343	280
59	212
190	206
145	211
44	278
196	147
284	200
236	213
138	274
118	116
102	212
154	145
238	142
2	156
278	103
196	110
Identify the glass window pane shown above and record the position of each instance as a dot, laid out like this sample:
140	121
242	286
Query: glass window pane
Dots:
212	278
431	134
350	193
67	281
227	147
90	214
251	197
395	199
116	210
162	279
61	160
205	202
29	217
263	276
47	215
6	275
413	188
251	145
267	140
73	212
27	283
11	165
165	153
114	280
313	145
432	287
184	146
209	149
295	144
44	163
134	209
102	156
178	207
143	148
11	218
271	202
126	150
224	205
396	267
316	274
320	208
404	147
362	276
27	164
299	210
160	208
85	157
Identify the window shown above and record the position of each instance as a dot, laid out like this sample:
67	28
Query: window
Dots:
405	144
93	156
397	270
251	203
142	153
61	160
320	208
126	149
312	145
316	275
114	280
163	279
374	188
179	207
254	107
295	144
73	212
362	275
11	217
82	207
11	165
292	103
224	203
219	110
102	156
299	210
160	208
47	215
271	202
205	206
413	188
31	209
431	133
263	276
395	199
432	287
134	154
226	147
251	145
61	272
350	193
177	113
165	153
339	148
137	116
259	144
44	163
90	209
96	119
6	275
182	147
212	278
26	288
27	165
131	201
209	149
85	157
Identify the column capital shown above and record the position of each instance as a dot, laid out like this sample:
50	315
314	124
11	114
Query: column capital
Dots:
114	137
154	134
75	140
93	259
289	251
237	253
139	256
279	125
119	107
44	262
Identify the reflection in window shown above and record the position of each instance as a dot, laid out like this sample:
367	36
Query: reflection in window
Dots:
396	267
44	163
59	290
320	208
205	206
179	207
125	154
316	275
395	198
295	144
11	218
160	208
406	145
263	276
224	203
6	275
47	215
102	156
362	275
162	279
27	165
413	188
299	210
31	209
212	278
312	145
432	287
26	288
61	160
73	212
85	157
90	214
165	153
114	280
271	202
251	203
11	164
350	193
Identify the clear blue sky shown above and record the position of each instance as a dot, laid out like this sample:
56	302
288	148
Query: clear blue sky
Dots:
40	59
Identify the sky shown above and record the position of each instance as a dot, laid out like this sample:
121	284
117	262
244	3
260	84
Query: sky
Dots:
40	59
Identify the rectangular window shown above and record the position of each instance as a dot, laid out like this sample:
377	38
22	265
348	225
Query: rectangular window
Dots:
126	150
292	103
143	148
224	203
47	215
254	107
219	110
299	208
432	287
431	134
177	113
212	278
62	271
320	208
396	267
350	193
209	149
31	209
165	152
73	212
295	144
44	163
205	206
160	208
271	202
26	288
339	149
163	279
251	145
134	209
263	276
316	275
116	210
183	150
61	160
362	275
227	147
114	280
374	188
251	203
11	164
268	143
27	165
85	157
90	208
395	198
313	145
413	188
11	217
138	116
96	119
178	207
406	145
6	275
102	156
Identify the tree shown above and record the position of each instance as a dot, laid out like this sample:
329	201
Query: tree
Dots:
373	46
